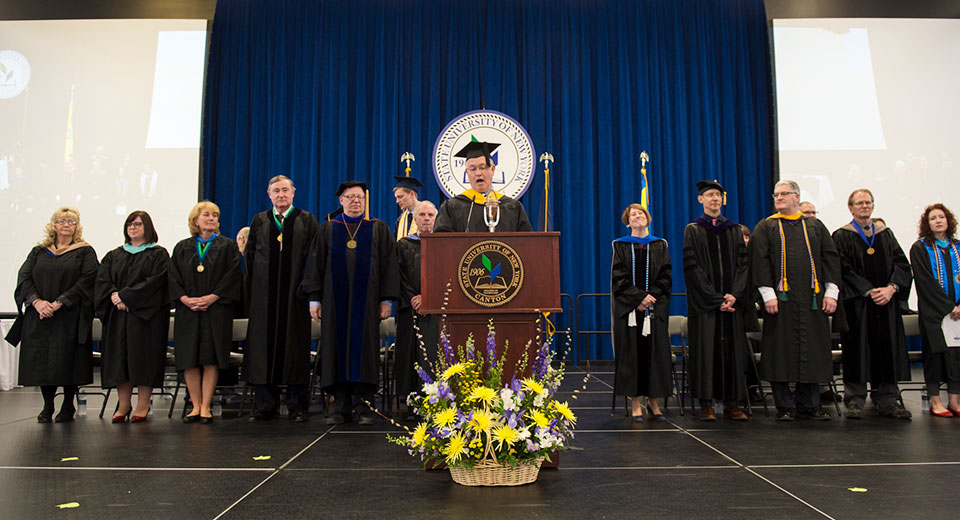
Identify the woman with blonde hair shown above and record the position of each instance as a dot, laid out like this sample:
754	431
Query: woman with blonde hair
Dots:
54	297
204	279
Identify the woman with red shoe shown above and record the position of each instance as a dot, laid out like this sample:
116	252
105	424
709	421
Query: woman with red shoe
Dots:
131	300
935	258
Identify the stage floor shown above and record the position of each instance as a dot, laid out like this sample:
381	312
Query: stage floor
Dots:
682	468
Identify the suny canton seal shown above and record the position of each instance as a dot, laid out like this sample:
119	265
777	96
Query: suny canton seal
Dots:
14	74
514	154
490	273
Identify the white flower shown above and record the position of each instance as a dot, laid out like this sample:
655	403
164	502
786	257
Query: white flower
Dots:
524	434
506	395
538	400
430	388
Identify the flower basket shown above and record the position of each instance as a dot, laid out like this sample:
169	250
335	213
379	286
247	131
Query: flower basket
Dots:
488	431
490	473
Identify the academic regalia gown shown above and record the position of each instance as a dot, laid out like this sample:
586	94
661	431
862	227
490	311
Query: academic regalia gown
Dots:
134	345
714	264
872	337
454	212
213	327
796	341
408	349
277	348
57	350
350	284
933	304
643	363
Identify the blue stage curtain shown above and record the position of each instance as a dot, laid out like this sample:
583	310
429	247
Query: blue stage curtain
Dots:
325	91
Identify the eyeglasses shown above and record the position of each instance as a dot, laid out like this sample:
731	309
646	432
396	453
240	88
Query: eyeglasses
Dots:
135	224
473	169
779	194
863	203
64	222
352	197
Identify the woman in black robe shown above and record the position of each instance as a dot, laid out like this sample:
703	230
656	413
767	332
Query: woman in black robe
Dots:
131	300
640	284
55	291
935	258
204	281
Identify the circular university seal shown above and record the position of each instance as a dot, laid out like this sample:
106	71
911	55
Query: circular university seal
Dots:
14	74
490	273
513	154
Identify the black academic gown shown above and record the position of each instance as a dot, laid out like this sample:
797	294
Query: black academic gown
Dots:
933	304
714	264
350	284
408	346
643	363
796	342
57	350
872	337
220	276
454	213
134	345
277	348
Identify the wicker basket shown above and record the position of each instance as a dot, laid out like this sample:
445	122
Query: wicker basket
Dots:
491	473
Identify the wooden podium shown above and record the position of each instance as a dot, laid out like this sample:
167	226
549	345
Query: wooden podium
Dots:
526	284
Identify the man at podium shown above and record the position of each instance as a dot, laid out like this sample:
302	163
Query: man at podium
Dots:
481	207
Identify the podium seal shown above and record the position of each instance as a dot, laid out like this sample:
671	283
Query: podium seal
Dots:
490	273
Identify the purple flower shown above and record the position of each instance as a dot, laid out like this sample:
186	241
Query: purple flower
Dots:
448	353
424	376
491	346
531	446
444	391
515	385
542	361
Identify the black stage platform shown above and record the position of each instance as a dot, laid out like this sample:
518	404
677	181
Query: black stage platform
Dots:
681	468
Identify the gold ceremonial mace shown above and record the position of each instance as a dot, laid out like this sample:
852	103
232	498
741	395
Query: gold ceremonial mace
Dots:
546	158
407	157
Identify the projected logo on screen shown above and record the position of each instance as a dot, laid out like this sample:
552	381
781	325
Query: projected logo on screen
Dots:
14	74
513	154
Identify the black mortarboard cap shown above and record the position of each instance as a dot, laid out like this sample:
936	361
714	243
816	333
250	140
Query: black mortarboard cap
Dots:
703	186
350	184
475	149
411	183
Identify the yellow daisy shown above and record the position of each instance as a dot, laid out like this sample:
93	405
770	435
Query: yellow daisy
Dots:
564	410
445	417
483	393
482	420
532	385
504	434
420	434
540	419
456	448
453	370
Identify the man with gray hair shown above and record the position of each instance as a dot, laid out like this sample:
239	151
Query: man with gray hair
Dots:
277	349
409	320
796	269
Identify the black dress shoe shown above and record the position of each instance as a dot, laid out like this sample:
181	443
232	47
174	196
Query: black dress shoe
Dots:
335	418
260	416
189	419
298	415
816	414
854	411
45	416
206	420
65	415
785	414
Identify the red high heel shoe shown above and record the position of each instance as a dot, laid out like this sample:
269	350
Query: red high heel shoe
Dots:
140	418
120	418
945	413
